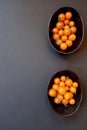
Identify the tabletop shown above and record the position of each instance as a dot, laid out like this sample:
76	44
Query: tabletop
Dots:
27	62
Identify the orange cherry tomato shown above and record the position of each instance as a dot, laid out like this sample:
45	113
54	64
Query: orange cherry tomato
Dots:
52	93
72	101
73	29
55	30
62	84
73	90
75	84
71	23
68	15
65	101
59	25
57	81
67	95
58	42
63	78
66	22
66	88
72	37
64	38
61	17
61	32
63	46
67	32
62	91
66	27
69	82
55	36
69	43
55	87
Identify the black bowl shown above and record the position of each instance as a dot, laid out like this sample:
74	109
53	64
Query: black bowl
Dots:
60	108
79	34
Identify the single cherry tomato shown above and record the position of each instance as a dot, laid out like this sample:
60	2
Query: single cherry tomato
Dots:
55	87
63	78
69	43
69	82
73	29
57	81
67	95
52	93
75	84
68	15
63	46
61	17
59	25
64	38
67	32
65	101
72	101
71	23
55	30
59	41
66	22
73	90
55	36
72	37
62	91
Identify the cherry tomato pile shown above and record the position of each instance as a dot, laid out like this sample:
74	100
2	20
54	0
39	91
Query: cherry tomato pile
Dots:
63	90
64	32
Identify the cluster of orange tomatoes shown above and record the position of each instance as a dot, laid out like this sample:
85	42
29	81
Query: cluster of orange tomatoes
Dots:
63	90
64	31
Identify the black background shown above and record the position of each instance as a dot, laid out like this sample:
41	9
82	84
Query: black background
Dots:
27	62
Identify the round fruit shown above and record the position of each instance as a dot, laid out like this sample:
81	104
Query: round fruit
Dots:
67	95
62	84
69	43
72	37
63	46
55	30
59	41
72	101
67	32
55	87
61	32
66	88
75	84
66	22
61	17
71	23
64	38
65	101
73	29
57	81
52	93
62	91
66	27
63	78
55	36
57	101
59	25
68	15
69	82
73	90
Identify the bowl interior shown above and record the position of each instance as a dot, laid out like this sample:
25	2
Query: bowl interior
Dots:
78	23
60	108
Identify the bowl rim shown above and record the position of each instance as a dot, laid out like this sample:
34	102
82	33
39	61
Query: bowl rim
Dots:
60	52
66	115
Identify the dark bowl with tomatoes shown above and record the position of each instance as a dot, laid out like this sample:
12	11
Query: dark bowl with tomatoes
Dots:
65	110
79	33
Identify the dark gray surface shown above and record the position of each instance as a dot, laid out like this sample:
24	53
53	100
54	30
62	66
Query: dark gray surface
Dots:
27	62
